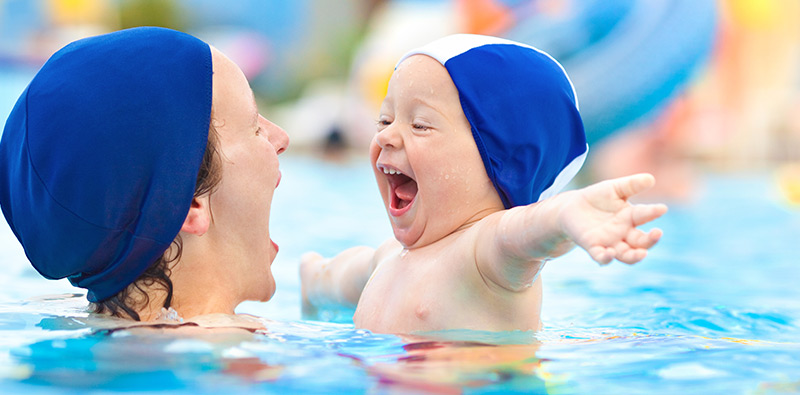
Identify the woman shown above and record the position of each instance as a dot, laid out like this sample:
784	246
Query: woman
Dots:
136	165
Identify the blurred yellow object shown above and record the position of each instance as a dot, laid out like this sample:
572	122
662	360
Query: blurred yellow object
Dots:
68	12
757	13
375	76
789	181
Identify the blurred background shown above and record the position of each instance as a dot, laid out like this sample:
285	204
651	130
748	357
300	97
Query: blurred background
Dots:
671	87
704	94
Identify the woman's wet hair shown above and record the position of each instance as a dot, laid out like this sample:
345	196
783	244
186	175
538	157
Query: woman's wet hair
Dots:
136	296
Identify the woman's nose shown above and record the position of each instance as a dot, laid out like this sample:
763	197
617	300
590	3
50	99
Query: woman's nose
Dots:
279	139
389	137
277	136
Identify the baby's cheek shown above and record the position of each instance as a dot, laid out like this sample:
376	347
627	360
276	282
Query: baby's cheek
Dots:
374	150
451	192
456	179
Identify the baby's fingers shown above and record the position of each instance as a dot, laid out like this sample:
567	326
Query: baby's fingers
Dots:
310	263
632	256
639	239
626	253
310	256
602	255
632	185
644	213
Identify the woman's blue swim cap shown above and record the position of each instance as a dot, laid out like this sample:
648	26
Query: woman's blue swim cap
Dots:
100	155
523	111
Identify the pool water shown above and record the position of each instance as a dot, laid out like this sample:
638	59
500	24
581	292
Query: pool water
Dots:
713	309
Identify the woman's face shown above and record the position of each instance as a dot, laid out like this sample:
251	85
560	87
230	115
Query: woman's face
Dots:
249	145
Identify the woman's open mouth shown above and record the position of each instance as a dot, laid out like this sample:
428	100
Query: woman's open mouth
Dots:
402	191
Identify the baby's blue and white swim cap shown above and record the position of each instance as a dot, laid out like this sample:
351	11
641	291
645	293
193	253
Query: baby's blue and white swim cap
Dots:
523	111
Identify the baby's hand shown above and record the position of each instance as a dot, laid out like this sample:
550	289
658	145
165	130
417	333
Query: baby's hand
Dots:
310	266
600	219
310	263
335	282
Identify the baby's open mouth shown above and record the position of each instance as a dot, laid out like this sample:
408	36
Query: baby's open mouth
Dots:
403	189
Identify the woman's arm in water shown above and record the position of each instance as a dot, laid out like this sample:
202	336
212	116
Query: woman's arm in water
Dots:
514	244
338	281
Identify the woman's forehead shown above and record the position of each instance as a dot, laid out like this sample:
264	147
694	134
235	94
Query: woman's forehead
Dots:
231	90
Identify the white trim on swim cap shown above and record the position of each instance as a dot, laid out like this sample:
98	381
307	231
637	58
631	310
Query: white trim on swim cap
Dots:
565	176
451	46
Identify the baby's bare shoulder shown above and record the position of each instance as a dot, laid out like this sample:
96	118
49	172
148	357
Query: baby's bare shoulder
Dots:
389	247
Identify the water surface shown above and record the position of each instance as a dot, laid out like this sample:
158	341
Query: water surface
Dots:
713	309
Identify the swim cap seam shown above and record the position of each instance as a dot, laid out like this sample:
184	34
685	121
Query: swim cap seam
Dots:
53	198
38	176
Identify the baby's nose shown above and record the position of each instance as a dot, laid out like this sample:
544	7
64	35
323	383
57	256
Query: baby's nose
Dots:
389	138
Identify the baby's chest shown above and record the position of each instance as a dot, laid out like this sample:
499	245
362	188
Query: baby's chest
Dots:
403	299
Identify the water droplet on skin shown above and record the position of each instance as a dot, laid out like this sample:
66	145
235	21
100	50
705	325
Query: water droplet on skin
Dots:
404	252
446	176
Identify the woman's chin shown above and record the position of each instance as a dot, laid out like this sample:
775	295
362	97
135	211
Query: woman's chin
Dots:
265	295
260	287
269	292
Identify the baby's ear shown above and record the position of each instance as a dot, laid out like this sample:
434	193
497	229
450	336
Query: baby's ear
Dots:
199	217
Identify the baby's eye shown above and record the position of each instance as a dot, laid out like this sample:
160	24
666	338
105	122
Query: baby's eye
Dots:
258	131
420	127
383	123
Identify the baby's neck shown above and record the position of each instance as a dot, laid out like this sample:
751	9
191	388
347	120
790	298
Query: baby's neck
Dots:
477	217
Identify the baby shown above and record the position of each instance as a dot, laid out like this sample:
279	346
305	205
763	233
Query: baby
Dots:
476	137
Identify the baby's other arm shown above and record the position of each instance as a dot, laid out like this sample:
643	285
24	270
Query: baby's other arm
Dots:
339	280
597	218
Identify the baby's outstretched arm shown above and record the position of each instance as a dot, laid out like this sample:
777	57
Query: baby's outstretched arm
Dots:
338	281
597	218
